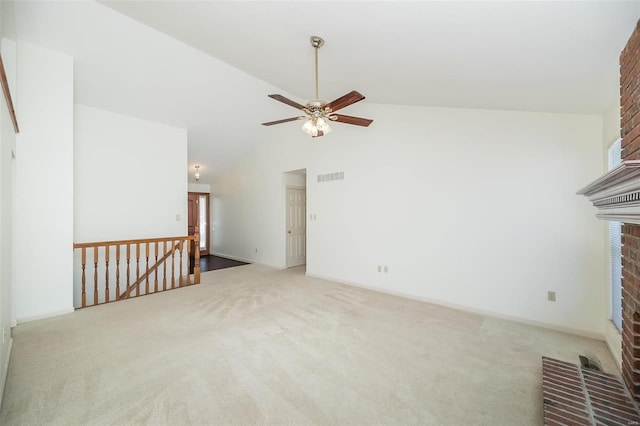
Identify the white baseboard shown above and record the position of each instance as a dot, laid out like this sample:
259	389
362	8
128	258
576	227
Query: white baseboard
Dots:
5	371
569	330
242	259
228	256
613	339
44	316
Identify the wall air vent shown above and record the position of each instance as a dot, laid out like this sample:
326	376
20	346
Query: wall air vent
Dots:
331	176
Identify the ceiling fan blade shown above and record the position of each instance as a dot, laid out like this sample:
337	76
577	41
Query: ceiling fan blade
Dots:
287	101
286	120
358	121
344	101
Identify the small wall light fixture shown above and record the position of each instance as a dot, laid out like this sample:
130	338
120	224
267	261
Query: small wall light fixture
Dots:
197	173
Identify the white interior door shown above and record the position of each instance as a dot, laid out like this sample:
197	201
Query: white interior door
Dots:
296	227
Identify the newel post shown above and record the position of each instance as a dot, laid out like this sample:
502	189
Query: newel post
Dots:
196	253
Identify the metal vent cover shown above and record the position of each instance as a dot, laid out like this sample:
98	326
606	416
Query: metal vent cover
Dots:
327	177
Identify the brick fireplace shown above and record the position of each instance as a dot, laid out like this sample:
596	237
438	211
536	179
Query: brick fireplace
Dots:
630	131
617	197
574	395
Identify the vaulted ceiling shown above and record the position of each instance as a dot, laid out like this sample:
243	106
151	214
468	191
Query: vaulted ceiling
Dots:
208	65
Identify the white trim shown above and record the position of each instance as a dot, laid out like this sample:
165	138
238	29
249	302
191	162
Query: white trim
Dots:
45	316
619	180
617	193
228	256
286	213
5	371
242	259
613	335
575	331
622	216
613	338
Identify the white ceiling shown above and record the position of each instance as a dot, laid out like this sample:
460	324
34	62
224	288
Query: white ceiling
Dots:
531	56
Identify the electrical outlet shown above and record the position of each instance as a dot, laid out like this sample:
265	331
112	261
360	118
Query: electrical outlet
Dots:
379	268
178	218
386	269
551	296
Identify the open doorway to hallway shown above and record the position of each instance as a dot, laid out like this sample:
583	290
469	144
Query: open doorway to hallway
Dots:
198	218
296	217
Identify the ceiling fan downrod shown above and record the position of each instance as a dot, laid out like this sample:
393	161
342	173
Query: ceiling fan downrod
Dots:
317	43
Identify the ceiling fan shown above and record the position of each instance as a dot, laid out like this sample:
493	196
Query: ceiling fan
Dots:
317	112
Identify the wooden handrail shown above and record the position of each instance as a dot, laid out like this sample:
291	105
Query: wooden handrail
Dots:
148	249
138	241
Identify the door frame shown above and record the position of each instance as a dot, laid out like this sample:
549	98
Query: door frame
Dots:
208	226
286	240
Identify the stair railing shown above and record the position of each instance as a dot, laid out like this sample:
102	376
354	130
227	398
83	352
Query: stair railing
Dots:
163	267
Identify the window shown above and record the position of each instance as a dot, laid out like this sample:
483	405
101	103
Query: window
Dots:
615	247
203	213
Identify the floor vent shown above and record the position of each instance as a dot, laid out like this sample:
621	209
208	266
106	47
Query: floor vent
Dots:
589	363
575	395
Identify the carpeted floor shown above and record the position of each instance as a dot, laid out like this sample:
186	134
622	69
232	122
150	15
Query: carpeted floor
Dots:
252	345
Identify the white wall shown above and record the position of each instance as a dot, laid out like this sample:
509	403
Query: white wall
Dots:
610	133
610	128
199	187
130	182
7	182
469	208
44	183
297	179
130	177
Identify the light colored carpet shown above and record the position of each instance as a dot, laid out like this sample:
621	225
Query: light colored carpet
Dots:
252	345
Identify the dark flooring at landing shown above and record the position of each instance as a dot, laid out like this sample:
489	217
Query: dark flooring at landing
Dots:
211	263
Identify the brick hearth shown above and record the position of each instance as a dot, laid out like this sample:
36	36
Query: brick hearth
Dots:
579	396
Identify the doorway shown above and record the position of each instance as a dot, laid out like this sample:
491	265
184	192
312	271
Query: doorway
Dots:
296	226
198	216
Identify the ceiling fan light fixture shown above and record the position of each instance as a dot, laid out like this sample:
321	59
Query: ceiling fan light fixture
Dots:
315	126
323	126
308	127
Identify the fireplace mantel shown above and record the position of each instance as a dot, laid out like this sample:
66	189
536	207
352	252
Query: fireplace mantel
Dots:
616	195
